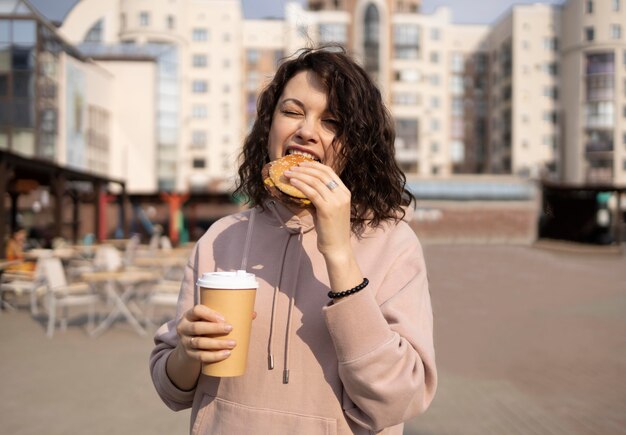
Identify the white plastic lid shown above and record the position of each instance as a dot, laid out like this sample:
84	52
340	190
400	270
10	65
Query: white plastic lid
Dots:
228	280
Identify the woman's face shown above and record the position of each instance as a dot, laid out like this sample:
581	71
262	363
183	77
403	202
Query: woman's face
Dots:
302	123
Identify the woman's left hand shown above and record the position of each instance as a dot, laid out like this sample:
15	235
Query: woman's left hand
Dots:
332	206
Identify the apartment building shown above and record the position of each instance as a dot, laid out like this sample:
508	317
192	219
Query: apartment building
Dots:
168	88
197	46
523	101
57	104
594	91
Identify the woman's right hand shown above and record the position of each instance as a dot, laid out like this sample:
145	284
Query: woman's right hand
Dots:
199	330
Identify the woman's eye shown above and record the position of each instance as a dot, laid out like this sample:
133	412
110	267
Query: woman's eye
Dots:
291	113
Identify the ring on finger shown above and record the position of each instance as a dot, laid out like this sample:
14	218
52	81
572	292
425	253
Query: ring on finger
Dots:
193	346
332	185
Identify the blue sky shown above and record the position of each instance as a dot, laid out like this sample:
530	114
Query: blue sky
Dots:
463	11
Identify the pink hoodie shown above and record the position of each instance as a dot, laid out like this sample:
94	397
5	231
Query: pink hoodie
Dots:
363	364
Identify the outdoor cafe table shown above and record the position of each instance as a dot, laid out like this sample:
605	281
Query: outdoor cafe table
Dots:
120	288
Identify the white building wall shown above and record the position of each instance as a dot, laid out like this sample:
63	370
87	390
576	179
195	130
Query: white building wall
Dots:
133	139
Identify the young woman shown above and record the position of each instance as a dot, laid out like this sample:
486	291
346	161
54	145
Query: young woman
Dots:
318	363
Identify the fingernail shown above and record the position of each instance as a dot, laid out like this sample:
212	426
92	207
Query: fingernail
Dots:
226	352
288	172
228	328
219	317
231	343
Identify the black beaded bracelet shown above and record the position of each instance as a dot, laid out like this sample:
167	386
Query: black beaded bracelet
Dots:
353	290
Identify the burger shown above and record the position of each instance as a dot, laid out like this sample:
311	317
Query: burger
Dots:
279	186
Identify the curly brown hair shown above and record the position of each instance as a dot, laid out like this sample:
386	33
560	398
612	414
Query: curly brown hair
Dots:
365	130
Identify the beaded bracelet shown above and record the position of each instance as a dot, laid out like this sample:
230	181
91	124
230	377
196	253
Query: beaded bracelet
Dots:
353	290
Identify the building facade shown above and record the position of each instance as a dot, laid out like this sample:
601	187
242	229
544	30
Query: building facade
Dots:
197	47
161	93
594	98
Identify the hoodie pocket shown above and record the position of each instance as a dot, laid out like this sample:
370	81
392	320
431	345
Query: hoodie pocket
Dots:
221	417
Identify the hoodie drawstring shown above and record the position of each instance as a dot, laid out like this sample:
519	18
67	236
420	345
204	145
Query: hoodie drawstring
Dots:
292	303
270	351
246	246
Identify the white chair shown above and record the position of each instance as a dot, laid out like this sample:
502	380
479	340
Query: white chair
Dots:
166	243
163	295
108	258
60	294
20	283
131	250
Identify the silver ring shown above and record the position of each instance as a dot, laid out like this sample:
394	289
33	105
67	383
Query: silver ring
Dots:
332	185
192	345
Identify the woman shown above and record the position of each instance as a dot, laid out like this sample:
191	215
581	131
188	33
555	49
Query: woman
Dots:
354	364
15	252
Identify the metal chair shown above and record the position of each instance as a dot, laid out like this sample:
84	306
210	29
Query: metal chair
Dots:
60	294
164	295
20	283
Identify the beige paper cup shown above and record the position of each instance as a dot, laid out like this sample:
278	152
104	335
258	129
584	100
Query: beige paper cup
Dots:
232	295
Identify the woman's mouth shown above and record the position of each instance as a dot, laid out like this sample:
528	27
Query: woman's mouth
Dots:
303	153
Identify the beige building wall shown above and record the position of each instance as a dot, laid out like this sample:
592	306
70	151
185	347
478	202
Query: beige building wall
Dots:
594	97
133	141
523	106
264	43
204	91
84	141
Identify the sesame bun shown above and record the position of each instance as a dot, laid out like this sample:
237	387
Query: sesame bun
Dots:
279	186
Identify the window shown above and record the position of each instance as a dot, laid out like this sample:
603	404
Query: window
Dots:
199	111
457	85
434	102
457	106
171	22
95	33
200	60
457	151
551	43
226	63
405	99
144	19
408	75
434	147
434	124
406	40
226	37
198	138
590	6
198	163
552	68
457	62
199	86
616	31
434	57
435	34
589	34
371	43
551	92
252	56
200	35
434	80
333	32
615	5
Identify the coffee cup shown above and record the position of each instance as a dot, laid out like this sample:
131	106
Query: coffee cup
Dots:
231	294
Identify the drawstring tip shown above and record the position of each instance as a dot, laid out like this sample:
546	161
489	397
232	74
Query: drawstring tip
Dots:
270	362
285	376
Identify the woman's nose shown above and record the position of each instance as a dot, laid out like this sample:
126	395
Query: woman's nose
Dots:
307	131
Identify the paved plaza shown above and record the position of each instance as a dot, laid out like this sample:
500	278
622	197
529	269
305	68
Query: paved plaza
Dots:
528	341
